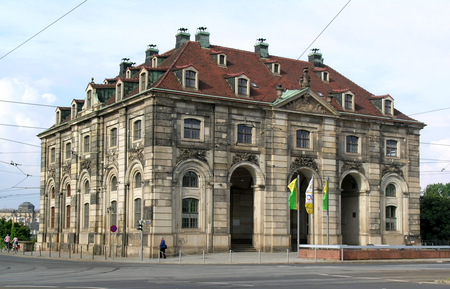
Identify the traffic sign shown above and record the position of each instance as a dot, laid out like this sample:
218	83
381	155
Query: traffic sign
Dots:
113	228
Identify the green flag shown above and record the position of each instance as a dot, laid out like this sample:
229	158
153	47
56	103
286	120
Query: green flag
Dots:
293	196
325	197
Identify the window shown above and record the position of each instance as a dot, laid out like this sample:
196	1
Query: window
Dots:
86	216
89	99
128	74
53	193
391	148
192	128
276	68
137	211
119	91
67	217
113	213
190	213
52	218
190	180
242	86
52	155
143	77
352	144
387	107
114	184
189	80
69	193
137	180
390	190
391	218
349	101
86	144
325	76
86	187
137	130
244	134
222	59
302	139
113	137
74	111
68	150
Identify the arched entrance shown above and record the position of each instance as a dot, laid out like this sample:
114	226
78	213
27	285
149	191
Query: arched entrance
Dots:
241	207
350	214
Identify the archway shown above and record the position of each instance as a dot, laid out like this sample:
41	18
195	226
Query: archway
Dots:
350	214
241	207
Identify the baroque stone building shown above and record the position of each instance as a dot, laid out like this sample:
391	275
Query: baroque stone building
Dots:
200	142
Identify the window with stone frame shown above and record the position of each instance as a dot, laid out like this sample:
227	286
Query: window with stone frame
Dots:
303	138
390	190
143	78
192	128
113	137
352	144
52	218
113	184
52	155
89	99
119	91
387	107
391	218
137	211
190	180
87	144
68	150
348	101
86	216
86	187
69	193
222	60
189	213
242	86
53	193
68	217
244	134
137	130
391	148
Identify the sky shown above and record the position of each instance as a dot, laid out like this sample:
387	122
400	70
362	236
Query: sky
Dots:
390	47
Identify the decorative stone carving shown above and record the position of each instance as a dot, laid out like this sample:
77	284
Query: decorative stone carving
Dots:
352	166
304	79
112	159
245	157
304	162
52	171
86	165
306	104
191	154
136	154
66	168
393	168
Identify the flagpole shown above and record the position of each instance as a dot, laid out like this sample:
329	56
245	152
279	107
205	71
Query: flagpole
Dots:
328	211
298	212
313	197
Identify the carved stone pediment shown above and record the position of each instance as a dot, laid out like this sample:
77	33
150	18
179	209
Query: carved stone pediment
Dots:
304	162
52	171
136	154
192	154
393	168
112	159
305	103
66	168
352	166
245	157
86	165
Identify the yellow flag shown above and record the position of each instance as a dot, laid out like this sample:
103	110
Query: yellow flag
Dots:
293	196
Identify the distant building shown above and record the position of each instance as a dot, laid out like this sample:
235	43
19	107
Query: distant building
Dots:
201	141
25	214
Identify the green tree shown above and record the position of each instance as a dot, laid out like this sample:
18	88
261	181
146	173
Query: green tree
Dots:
21	231
435	213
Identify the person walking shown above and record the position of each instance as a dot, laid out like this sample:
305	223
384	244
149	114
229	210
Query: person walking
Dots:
6	241
162	248
15	243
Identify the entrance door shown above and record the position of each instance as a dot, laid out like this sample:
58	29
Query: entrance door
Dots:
241	210
350	211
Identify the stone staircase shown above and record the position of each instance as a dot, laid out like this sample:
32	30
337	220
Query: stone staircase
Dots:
242	246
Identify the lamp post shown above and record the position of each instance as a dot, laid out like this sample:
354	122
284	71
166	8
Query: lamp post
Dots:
110	211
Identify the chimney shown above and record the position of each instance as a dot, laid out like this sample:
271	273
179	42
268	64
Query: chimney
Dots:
152	50
202	37
124	65
182	37
262	48
316	57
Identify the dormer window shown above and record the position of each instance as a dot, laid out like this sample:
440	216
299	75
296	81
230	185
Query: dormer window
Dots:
276	68
221	60
119	91
58	120
387	107
188	78
143	82
348	101
155	61
74	111
89	99
325	77
128	74
242	86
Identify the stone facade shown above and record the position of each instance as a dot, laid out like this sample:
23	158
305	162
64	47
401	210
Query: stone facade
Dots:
203	150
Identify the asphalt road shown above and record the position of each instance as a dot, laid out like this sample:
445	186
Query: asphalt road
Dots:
22	272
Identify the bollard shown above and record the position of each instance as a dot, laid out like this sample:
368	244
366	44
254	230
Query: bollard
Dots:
70	252
105	250
50	251
32	248
180	257
203	256
40	252
230	257
287	253
81	252
315	254
59	251
93	252
23	250
159	255
259	256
